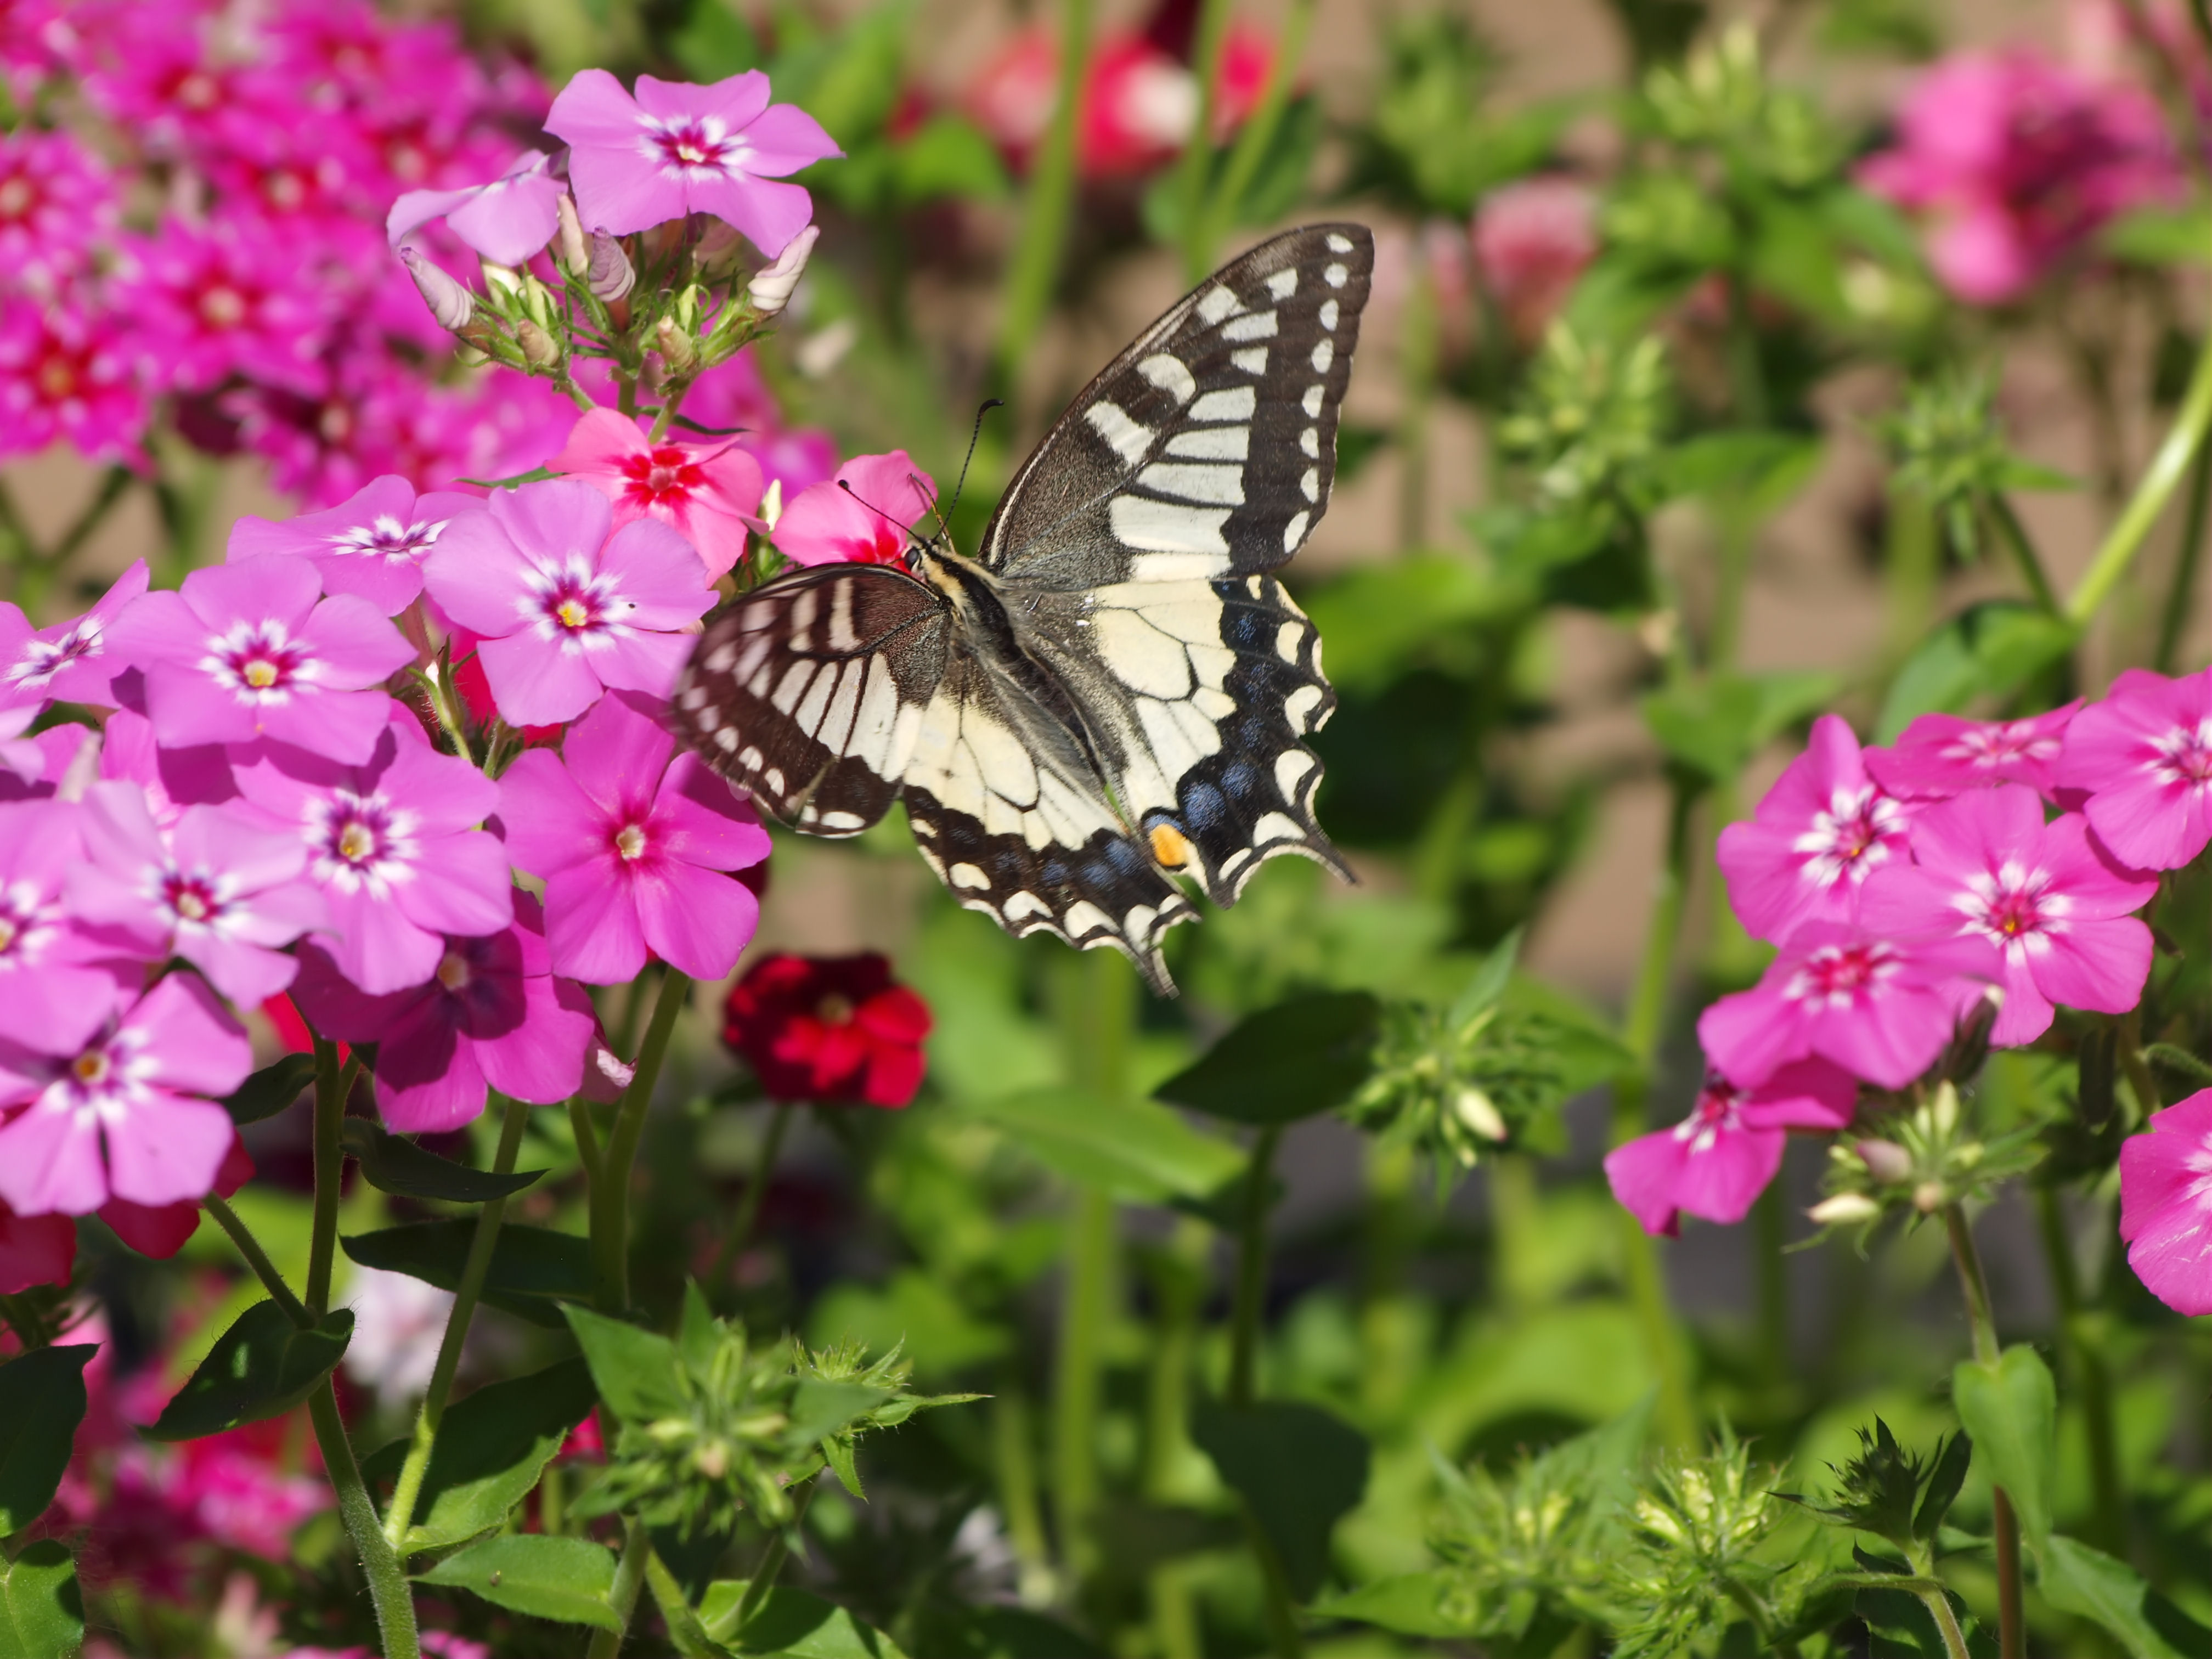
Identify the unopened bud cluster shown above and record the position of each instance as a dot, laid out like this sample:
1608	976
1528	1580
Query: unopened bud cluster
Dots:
1925	1160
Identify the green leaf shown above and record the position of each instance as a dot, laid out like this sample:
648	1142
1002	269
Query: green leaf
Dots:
529	1265
1488	983
820	1407
635	1370
2011	1408
1299	1467
1713	725
949	157
1135	1151
1943	1483
1307	1056
791	1621
1763	467
391	1165
941	1334
1406	1603
716	42
563	1578
41	1612
1381	619
270	1089
2077	1579
1987	652
261	1367
41	1403
490	1451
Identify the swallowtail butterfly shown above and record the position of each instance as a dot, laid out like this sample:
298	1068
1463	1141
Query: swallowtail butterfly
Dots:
1109	698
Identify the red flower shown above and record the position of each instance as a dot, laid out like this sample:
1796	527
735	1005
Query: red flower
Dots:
828	1029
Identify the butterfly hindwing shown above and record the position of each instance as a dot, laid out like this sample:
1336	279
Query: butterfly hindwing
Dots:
809	692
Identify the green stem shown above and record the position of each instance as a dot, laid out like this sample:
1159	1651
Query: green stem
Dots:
1278	1607
749	1206
1947	1622
772	1560
258	1258
381	1564
1771	1243
587	1138
1252	1268
1747	373
1035	269
1197	160
2023	551
622	1594
1418	343
2011	1630
1259	133
2182	600
1910	559
2109	1524
610	1206
1013	1458
332	1083
400	1513
2158	483
1178	1281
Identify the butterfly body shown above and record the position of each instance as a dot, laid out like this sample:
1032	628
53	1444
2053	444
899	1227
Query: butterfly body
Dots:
1110	698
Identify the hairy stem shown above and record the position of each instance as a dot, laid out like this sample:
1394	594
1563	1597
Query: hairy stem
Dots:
1947	1622
610	1207
332	1083
388	1590
622	1594
771	1561
258	1258
2011	1631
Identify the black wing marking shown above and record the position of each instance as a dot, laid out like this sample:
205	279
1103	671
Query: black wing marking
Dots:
1208	447
809	692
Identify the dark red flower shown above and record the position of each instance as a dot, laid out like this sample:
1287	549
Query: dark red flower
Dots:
829	1029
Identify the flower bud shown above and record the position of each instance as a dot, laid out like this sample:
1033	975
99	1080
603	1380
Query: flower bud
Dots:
575	252
503	281
771	289
1928	1197
606	1075
538	350
717	247
771	504
451	304
1475	1109
1844	1208
675	344
1884	1160
609	277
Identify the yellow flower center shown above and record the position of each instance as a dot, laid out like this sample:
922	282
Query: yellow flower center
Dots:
90	1068
191	906
261	673
356	842
572	613
629	841
452	971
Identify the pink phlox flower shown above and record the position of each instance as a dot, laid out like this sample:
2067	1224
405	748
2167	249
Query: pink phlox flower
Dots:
632	848
37	768
1822	829
70	662
2020	161
2046	902
224	892
676	150
1942	755
66	374
163	81
121	1114
57	203
2165	1204
1881	1008
224	298
53	983
2143	758
564	609
35	1249
1719	1159
1533	238
253	650
371	545
160	1230
490	1016
709	496
169	780
394	847
861	516
506	220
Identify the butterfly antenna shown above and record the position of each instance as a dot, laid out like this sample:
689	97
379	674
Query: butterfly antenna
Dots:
974	437
904	529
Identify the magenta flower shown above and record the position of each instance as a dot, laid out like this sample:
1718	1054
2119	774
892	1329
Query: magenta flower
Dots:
35	1249
66	375
217	888
2046	902
630	849
221	299
1533	238
117	1113
1942	755
57	199
70	662
246	651
492	1016
2020	161
707	495
51	982
371	545
1823	828
2165	1204
1719	1159
393	846
861	516
676	150
169	780
1881	1008
506	220
564	609
2143	756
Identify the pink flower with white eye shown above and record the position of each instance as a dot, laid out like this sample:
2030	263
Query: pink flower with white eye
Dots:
1942	755
57	202
861	516
2143	756
122	1113
392	845
676	150
70	662
1716	1161
66	375
220	892
633	849
1882	1008
506	220
2046	903
53	982
1823	828
2165	1204
169	780
491	1016
707	495
221	299
371	545
564	609
252	650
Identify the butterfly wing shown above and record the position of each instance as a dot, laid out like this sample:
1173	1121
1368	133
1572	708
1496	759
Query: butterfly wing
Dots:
809	691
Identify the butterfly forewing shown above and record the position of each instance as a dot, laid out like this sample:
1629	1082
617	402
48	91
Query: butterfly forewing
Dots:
809	691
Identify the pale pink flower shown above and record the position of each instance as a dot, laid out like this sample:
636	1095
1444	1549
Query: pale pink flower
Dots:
861	516
676	150
563	609
1943	755
2165	1204
1716	1161
1532	240
371	545
70	662
2143	757
707	495
1822	829
508	219
2046	902
632	848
